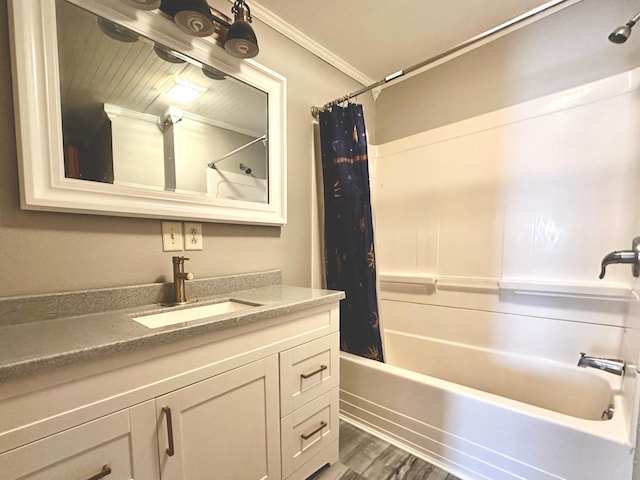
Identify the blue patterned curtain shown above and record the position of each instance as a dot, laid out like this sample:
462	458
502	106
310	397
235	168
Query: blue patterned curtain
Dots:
349	252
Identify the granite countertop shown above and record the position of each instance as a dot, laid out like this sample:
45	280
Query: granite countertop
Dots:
35	344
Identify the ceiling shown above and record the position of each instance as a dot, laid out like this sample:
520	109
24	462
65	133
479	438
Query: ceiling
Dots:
97	70
378	37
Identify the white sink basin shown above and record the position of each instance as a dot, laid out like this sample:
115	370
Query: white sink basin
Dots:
163	319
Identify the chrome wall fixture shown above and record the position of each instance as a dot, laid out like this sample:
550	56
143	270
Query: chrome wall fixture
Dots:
197	18
262	139
622	33
624	256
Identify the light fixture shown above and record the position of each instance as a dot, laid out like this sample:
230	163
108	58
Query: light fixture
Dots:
191	16
180	90
117	32
166	54
241	40
197	18
143	4
212	73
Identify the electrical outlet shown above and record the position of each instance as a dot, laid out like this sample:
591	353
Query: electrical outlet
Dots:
172	237
192	236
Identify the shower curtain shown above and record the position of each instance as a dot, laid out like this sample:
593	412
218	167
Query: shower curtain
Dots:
348	230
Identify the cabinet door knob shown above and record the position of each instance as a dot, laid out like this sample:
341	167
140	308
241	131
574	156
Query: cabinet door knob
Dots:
315	372
309	435
106	470
170	450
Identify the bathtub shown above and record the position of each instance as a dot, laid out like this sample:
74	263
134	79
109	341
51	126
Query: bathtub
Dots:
484	414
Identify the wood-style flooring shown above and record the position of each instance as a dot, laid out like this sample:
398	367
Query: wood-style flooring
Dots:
365	457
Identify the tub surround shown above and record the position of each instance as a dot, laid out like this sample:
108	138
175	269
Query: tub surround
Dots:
475	216
493	250
38	333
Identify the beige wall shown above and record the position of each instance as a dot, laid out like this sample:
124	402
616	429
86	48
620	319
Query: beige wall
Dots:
51	252
563	50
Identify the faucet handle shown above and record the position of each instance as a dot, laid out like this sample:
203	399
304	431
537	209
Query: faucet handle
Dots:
188	276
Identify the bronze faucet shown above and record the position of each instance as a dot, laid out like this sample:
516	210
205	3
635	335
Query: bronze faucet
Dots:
179	276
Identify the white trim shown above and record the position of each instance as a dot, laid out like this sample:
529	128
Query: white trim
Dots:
408	278
114	111
566	289
292	33
518	286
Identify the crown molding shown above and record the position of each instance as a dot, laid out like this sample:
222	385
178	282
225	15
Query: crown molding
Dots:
292	33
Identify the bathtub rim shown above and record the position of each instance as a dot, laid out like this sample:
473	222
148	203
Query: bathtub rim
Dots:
615	384
617	429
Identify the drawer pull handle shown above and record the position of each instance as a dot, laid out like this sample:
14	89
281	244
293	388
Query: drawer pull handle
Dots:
309	435
170	450
315	372
106	470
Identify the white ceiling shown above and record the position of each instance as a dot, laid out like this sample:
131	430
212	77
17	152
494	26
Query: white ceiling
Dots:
378	37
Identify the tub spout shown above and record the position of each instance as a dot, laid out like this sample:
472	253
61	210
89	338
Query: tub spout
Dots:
611	365
623	256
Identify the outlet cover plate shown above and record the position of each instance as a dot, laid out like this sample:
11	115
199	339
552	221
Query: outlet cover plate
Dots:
192	236
172	240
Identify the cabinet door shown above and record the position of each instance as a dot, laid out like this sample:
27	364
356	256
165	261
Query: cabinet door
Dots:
101	449
224	428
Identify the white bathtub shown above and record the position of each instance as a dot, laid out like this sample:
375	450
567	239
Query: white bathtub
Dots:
483	414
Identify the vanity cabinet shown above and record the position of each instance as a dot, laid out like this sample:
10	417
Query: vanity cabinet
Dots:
225	427
259	401
112	447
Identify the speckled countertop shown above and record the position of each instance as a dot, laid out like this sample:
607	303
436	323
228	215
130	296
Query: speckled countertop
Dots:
38	333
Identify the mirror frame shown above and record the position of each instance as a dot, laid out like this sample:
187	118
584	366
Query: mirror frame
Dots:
36	88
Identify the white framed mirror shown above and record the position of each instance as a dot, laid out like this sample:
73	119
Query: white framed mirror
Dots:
93	139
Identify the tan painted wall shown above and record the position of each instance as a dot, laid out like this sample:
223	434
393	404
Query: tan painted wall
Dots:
52	252
563	50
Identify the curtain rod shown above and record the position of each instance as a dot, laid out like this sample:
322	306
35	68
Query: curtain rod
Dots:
212	164
315	111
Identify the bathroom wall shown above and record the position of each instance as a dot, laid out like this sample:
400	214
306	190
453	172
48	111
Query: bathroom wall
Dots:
536	193
502	221
508	204
136	162
560	51
468	209
52	252
205	143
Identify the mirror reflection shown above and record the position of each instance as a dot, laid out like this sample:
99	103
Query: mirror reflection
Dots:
137	114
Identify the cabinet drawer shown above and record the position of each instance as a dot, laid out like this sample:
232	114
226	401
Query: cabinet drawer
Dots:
308	371
103	448
308	430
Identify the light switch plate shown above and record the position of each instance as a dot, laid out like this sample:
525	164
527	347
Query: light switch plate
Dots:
192	236
172	237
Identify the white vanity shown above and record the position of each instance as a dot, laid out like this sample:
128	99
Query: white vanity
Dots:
246	395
